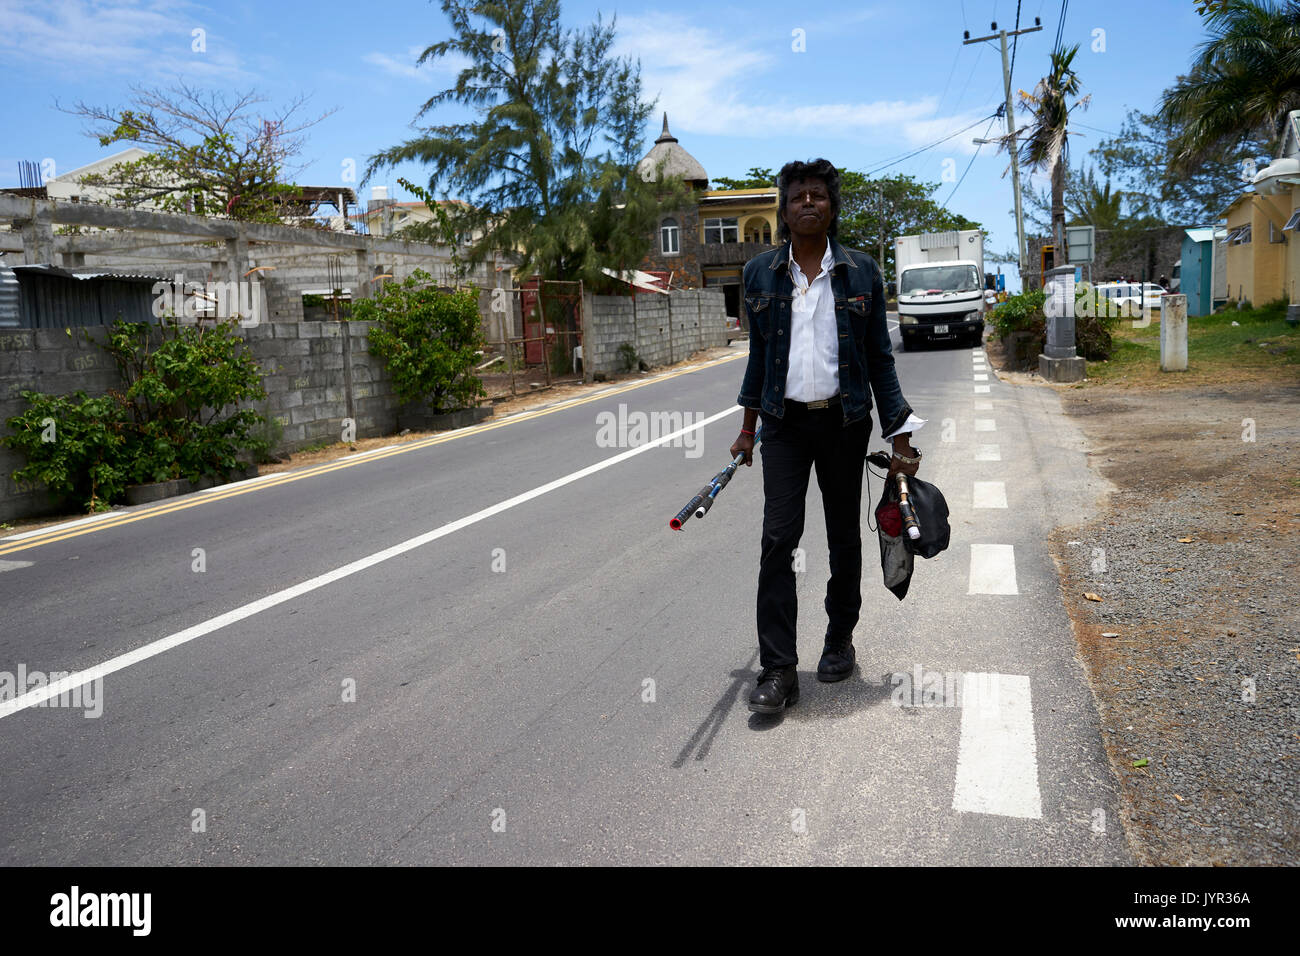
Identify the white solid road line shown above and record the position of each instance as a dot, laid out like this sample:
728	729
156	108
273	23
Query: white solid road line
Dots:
992	569
997	763
988	453
154	648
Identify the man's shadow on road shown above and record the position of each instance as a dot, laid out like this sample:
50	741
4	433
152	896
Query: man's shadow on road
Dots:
817	701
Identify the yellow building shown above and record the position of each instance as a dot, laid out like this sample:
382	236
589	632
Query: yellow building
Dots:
1256	246
735	226
1262	249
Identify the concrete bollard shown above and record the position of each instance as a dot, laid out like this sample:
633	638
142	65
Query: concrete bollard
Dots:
1173	333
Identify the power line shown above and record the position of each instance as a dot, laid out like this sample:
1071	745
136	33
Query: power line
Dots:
1015	43
978	147
1060	26
916	152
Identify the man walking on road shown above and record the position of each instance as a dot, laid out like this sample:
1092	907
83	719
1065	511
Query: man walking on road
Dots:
814	346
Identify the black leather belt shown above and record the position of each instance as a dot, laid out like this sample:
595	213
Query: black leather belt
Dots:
820	404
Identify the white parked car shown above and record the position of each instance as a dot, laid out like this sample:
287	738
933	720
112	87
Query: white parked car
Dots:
1132	296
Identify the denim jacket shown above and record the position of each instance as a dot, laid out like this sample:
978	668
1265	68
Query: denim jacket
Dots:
865	353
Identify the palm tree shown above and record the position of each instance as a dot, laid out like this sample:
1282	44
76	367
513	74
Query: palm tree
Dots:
1098	206
1046	145
1245	80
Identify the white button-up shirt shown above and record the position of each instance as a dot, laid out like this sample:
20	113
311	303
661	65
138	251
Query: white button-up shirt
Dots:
813	372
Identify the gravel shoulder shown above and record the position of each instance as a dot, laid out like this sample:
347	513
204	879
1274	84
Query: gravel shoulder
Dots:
1195	561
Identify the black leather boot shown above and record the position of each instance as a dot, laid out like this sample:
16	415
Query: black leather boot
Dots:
778	688
837	659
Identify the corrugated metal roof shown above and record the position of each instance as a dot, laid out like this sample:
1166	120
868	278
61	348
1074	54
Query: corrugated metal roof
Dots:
10	298
52	270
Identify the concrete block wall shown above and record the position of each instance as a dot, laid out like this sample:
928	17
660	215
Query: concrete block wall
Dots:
663	328
305	373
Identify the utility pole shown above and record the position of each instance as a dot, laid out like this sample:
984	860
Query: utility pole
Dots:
1012	149
880	219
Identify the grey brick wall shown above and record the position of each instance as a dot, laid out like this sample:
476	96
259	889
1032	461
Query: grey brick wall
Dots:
662	328
304	374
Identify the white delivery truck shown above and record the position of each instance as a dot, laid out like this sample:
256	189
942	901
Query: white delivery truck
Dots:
940	287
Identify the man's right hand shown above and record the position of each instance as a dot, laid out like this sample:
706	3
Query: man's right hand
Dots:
745	443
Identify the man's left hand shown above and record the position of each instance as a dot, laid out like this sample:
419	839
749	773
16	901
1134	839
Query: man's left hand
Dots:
903	446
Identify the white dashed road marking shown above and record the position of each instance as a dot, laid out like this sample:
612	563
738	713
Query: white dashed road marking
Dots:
13	565
992	569
988	453
990	494
981	389
986	425
981	405
997	763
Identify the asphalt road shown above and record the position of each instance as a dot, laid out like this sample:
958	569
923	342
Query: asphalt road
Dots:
490	648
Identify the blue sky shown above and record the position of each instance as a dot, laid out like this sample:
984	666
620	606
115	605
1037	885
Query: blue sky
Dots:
876	80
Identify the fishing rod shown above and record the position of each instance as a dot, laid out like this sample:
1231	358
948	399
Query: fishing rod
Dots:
699	506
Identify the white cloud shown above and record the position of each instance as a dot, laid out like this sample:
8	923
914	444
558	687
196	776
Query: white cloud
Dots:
144	39
705	80
443	68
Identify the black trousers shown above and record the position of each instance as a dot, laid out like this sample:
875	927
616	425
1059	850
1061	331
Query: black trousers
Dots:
791	447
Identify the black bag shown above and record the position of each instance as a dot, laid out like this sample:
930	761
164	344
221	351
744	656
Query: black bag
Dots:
931	514
897	551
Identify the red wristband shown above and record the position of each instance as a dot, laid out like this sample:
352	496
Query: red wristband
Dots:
745	431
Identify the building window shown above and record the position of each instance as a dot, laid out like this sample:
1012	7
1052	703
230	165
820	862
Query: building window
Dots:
668	243
1274	233
721	230
1239	236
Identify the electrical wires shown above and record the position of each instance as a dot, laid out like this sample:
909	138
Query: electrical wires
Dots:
978	147
895	161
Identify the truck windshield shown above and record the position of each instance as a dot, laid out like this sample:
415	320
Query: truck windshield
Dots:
940	279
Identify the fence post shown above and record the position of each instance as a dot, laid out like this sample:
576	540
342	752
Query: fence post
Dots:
585	303
1173	333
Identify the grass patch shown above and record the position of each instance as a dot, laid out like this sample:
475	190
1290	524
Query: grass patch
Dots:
1260	347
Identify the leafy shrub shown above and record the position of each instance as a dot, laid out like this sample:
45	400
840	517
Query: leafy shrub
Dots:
428	340
1022	312
177	395
74	445
170	420
628	360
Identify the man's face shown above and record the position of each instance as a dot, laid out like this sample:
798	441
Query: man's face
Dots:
807	207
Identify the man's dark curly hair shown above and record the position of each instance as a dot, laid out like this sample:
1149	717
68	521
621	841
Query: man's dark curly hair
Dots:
795	171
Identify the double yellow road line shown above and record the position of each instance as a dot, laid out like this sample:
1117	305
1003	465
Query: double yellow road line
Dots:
63	532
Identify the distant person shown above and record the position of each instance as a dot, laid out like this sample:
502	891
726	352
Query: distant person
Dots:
1164	283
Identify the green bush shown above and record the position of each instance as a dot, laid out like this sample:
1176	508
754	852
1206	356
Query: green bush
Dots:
175	417
628	360
427	339
1022	312
74	445
177	395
